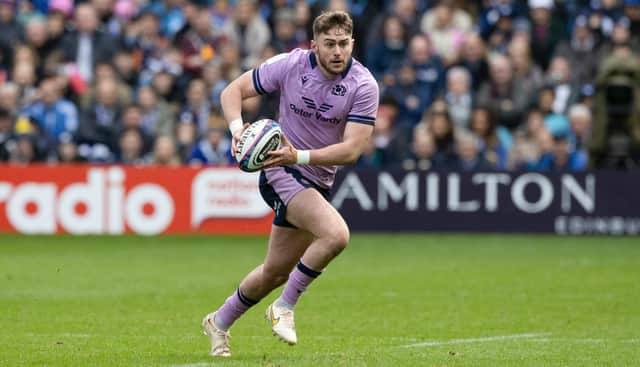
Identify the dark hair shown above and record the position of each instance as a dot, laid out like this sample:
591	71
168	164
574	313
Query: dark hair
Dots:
490	136
4	113
332	19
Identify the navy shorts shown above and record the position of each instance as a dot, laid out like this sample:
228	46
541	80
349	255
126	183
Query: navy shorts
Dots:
279	185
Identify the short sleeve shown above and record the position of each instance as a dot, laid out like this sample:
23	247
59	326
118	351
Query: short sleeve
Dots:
365	104
269	75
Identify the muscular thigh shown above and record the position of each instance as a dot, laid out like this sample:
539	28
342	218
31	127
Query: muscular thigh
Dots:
309	210
286	247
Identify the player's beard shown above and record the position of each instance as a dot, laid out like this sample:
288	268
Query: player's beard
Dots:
331	69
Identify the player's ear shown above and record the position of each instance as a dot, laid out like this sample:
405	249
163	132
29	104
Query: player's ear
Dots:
314	45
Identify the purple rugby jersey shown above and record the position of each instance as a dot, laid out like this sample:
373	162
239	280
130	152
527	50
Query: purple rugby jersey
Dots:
315	109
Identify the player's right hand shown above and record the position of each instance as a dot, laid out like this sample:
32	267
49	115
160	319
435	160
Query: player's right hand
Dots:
286	155
236	138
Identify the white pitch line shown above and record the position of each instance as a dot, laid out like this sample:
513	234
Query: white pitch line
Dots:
435	343
198	364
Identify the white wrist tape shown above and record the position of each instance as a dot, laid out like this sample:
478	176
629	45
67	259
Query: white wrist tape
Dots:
235	126
304	157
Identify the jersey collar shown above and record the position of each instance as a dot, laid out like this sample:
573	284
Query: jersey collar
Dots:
314	63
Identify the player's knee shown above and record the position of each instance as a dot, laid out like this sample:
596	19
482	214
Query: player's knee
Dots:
338	240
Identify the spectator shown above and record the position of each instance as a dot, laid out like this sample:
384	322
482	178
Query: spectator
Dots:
132	119
23	146
580	120
61	7
10	29
230	61
24	77
303	19
164	152
386	55
119	16
25	54
100	122
67	150
285	36
459	97
474	58
422	154
56	32
503	93
190	9
581	51
26	10
186	137
127	67
143	36
562	157
499	35
199	44
171	14
427	64
130	147
213	78
443	130
631	10
390	144
9	95
524	69
164	79
197	108
412	96
621	36
469	157
104	11
566	90
493	12
446	27
36	37
105	71
86	45
554	122
526	149
546	31
407	10
602	16
249	31
213	149
55	115
489	144
157	116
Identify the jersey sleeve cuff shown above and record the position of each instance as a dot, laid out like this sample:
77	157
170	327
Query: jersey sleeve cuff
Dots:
361	119
256	82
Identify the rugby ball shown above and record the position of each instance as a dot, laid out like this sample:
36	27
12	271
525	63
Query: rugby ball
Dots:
256	141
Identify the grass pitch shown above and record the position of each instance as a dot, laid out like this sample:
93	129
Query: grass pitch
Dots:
389	300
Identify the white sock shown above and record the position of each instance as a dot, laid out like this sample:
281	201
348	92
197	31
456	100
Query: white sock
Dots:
282	303
219	324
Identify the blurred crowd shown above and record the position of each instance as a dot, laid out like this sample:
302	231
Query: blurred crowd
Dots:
465	85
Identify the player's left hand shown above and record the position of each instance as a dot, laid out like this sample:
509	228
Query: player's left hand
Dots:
286	155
